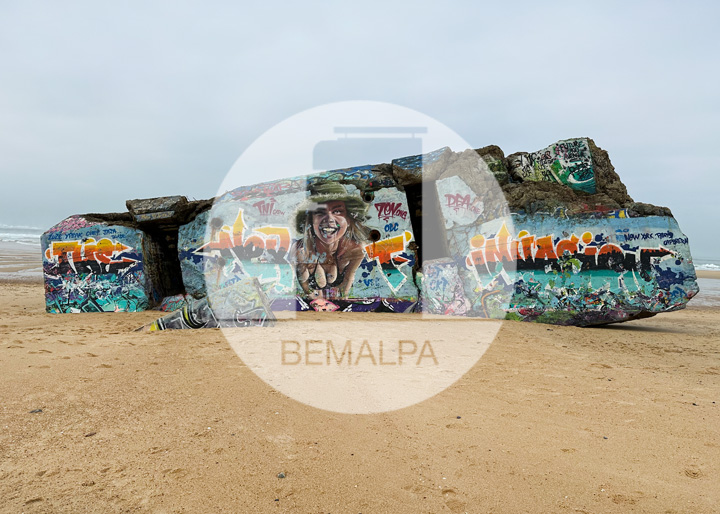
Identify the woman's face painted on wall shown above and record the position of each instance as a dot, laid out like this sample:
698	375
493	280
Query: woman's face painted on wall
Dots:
330	222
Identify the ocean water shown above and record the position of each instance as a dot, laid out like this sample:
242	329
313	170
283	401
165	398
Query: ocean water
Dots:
707	264
20	257
23	235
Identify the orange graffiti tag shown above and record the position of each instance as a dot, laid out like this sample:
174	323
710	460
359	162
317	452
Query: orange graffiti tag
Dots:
270	238
103	251
383	250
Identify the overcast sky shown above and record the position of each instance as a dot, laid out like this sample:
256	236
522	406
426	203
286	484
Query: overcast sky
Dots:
101	101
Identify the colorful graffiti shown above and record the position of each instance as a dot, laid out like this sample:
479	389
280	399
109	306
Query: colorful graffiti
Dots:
442	289
362	177
268	244
459	204
306	246
174	303
93	268
388	210
342	240
547	272
566	162
390	255
89	256
415	163
594	266
357	305
587	252
242	304
238	239
331	225
275	188
268	208
459	201
69	224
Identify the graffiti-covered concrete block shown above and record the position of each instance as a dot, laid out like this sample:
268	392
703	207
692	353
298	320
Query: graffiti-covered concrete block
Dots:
583	263
93	267
442	289
567	162
574	271
388	259
549	236
173	303
494	157
364	178
319	242
240	304
247	233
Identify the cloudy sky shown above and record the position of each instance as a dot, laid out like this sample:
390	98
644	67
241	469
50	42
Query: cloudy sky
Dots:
101	102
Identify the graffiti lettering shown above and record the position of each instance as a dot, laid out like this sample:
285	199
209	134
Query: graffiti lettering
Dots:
676	241
570	150
273	242
567	162
387	210
531	252
387	250
389	253
267	208
459	201
89	256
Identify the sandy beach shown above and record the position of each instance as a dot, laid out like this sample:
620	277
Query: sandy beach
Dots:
20	262
708	274
99	418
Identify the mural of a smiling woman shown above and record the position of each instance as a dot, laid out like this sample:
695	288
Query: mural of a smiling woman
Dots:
332	233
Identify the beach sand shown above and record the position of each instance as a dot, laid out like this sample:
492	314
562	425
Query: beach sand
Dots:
20	262
552	419
708	274
624	418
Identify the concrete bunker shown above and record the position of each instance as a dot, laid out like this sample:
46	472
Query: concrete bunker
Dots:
561	242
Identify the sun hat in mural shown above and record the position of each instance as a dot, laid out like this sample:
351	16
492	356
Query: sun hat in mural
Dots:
324	192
